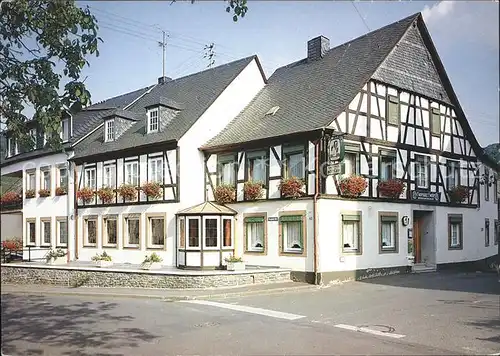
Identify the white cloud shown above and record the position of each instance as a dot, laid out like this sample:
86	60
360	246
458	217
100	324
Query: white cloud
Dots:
437	11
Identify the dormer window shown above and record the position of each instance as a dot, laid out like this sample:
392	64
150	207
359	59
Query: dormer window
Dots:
109	130
153	121
12	147
64	130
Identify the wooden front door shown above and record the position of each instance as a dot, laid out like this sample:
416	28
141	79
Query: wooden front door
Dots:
417	238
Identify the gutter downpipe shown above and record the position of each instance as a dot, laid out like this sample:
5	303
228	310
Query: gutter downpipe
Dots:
317	278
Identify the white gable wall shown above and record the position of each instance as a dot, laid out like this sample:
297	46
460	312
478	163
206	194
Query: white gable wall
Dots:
225	108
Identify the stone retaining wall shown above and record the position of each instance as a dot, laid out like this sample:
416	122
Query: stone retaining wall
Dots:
93	278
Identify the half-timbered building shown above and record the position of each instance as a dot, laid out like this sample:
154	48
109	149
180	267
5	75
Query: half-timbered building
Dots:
409	150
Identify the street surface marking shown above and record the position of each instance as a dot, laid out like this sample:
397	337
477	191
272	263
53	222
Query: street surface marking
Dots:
369	331
252	310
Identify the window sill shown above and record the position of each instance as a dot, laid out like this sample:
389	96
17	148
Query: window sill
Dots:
455	248
351	252
388	250
156	247
90	245
256	252
293	253
131	247
62	246
45	244
109	245
216	248
197	248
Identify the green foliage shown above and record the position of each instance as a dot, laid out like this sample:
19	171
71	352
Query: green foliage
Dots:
152	258
493	151
36	36
55	254
102	257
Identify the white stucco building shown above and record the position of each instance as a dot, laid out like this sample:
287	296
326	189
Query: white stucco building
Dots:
229	130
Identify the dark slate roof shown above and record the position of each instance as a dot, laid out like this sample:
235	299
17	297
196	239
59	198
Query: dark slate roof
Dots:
311	94
195	93
119	102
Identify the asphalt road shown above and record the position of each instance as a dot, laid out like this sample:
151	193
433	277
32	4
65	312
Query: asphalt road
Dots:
407	315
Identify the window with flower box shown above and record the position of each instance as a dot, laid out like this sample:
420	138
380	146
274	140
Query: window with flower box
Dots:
453	173
62	178
351	164
109	176
256	166
388	232
351	231
155	166
227	169
132	173
45	178
387	167
31	180
255	232
90	178
293	161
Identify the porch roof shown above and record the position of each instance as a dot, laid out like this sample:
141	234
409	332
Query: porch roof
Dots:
207	208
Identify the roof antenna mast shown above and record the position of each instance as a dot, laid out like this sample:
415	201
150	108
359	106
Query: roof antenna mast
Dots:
163	45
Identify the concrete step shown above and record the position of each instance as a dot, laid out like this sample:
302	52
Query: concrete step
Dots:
423	268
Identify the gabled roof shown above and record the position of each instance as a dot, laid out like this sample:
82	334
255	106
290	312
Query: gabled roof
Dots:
311	94
208	208
192	94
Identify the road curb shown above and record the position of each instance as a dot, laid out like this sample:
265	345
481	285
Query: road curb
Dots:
109	293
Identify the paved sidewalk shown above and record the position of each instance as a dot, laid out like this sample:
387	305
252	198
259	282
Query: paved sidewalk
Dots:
162	294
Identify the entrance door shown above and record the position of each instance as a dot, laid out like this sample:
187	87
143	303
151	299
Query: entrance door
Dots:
417	237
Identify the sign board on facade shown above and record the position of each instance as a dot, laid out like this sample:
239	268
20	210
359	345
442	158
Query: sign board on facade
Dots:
335	168
405	220
425	196
272	218
335	149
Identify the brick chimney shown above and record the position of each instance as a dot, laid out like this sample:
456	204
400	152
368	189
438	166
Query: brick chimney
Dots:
163	80
317	47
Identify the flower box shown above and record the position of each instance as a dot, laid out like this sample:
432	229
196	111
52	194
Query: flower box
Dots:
30	193
127	191
151	265
152	190
225	194
44	193
104	263
86	195
11	198
57	261
252	190
61	191
458	194
235	266
352	186
392	188
291	187
107	195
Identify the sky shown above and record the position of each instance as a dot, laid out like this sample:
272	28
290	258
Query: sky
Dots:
464	33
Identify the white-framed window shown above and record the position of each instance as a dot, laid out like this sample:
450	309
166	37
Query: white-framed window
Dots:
182	232
132	173
63	177
351	232
64	130
90	178
388	232
31	232
62	231
46	181
132	230
455	231
211	235
292	233
153	120
193	232
294	162
226	169
90	231
422	172
110	230
31	181
156	169
227	232
109	130
256	166
45	231
486	184
255	233
351	163
109	179
387	165
486	232
33	137
156	231
453	174
13	148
